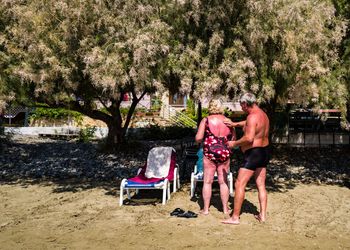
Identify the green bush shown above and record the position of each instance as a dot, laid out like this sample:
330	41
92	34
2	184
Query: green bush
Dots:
190	108
86	134
55	113
156	104
205	113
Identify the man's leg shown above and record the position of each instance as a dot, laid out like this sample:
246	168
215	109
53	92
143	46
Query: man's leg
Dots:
260	177
222	179
209	172
244	176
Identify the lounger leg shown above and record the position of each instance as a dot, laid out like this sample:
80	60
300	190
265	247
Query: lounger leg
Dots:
168	190
121	191
178	178
192	185
175	180
231	184
121	196
128	193
165	188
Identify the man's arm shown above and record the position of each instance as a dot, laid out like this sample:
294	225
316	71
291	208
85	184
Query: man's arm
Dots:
232	124
233	133
248	137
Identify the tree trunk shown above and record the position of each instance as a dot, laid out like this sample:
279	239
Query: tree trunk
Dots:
348	111
116	130
199	113
116	135
270	111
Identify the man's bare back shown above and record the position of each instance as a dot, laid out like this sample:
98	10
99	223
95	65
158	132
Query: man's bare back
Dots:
260	121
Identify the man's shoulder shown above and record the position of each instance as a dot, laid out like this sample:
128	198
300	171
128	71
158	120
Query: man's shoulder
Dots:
253	115
257	113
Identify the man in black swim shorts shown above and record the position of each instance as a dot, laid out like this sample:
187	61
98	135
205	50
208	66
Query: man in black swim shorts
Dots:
255	147
256	157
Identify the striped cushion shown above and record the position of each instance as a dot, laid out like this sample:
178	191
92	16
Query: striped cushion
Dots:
132	184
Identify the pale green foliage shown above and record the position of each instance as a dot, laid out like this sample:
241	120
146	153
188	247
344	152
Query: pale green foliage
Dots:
194	64
204	28
287	50
282	50
77	53
5	94
343	70
114	46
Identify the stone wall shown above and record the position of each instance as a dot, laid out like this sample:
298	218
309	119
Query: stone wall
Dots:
86	122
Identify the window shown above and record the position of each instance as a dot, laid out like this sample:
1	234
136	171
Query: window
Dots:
176	99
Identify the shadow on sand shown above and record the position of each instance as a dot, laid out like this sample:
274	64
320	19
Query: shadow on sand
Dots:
72	167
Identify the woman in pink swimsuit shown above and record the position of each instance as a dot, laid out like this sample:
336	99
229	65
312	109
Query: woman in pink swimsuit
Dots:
214	134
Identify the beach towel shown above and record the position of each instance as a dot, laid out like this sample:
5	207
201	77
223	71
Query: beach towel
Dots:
158	162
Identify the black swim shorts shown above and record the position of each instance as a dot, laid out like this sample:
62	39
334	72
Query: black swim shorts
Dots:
257	157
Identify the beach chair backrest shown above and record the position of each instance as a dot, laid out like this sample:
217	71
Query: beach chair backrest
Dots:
158	162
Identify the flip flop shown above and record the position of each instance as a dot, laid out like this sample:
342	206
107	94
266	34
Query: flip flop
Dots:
257	216
188	214
177	211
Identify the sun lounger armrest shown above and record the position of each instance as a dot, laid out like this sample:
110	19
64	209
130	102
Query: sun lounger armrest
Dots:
195	169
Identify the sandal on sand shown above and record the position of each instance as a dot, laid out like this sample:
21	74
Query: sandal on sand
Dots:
188	214
177	211
258	217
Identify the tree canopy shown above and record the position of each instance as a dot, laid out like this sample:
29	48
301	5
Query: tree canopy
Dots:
87	54
280	50
76	53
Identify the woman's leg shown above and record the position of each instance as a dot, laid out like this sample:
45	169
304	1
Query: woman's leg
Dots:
209	171
223	170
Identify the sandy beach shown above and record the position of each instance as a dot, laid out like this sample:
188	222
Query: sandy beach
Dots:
39	213
43	217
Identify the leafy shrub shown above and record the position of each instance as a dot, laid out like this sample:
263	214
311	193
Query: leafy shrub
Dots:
55	113
86	134
190	108
205	113
156	104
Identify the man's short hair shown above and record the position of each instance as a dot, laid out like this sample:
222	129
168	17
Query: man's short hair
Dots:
248	98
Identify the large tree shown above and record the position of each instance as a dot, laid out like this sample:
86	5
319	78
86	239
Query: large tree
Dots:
283	51
79	53
6	95
86	54
287	52
204	30
343	10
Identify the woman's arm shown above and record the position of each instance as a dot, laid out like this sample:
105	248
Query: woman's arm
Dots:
200	132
